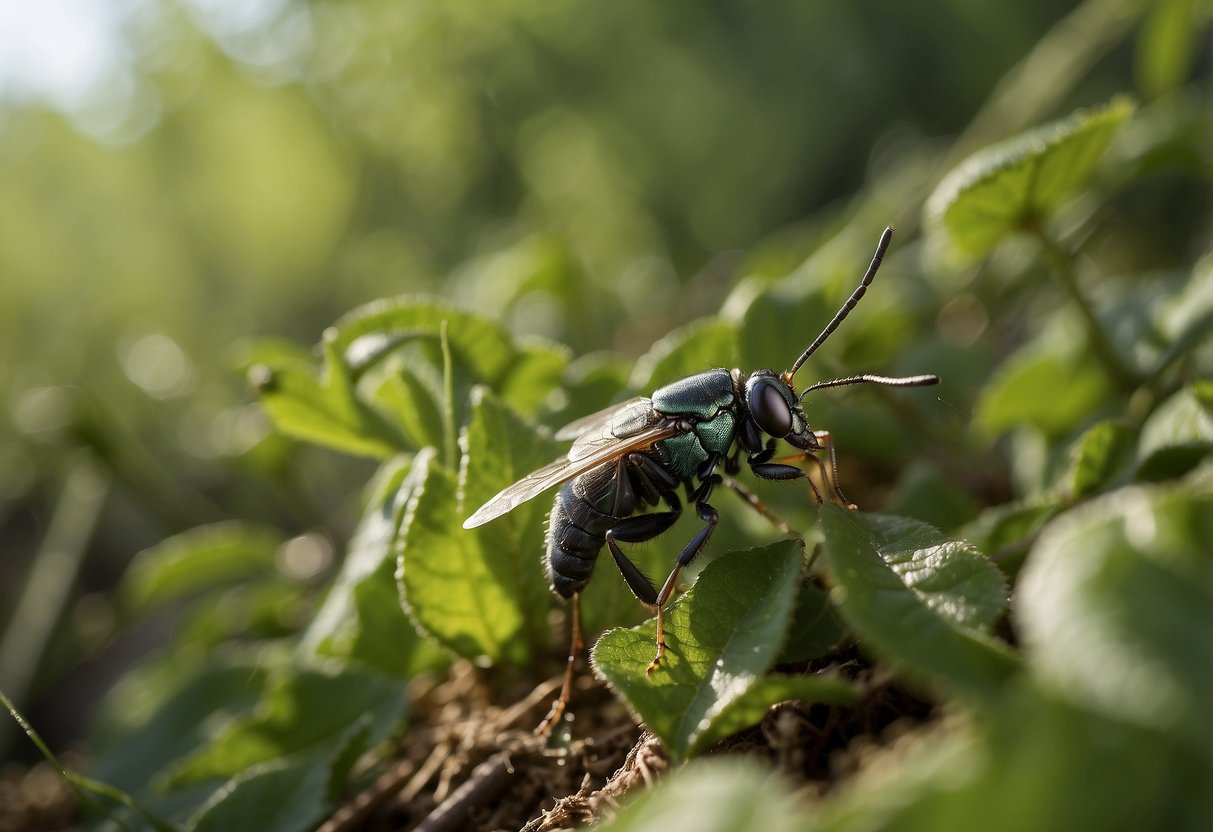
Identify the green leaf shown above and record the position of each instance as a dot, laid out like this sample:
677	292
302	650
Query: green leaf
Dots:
499	448
1037	763
451	585
1010	524
1178	435
361	618
815	629
323	409
406	398
716	795
182	723
751	707
921	601
721	636
1116	607
364	336
1097	456
1016	183
302	712
276	796
1050	384
927	493
698	346
284	795
197	560
534	376
592	382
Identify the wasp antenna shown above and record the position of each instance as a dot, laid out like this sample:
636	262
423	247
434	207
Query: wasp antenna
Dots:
852	301
867	378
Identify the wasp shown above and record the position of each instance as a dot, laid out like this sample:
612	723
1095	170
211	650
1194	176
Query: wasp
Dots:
638	454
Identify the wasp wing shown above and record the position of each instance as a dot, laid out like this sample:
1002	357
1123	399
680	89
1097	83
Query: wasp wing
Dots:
577	427
592	451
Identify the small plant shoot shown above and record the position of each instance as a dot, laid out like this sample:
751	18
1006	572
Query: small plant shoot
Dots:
639	453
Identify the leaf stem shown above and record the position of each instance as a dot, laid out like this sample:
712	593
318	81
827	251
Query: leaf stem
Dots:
1061	264
52	576
86	788
448	399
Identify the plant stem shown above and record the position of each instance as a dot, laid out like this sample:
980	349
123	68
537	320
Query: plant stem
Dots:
1062	266
52	575
448	399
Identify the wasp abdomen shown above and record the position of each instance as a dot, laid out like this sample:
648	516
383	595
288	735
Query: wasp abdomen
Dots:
585	508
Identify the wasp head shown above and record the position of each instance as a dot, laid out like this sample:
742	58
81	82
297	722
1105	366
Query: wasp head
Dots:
776	410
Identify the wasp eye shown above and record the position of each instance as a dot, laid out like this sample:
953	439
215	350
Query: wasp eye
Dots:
770	409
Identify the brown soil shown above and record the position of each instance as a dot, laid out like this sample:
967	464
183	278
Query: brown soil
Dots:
471	760
468	763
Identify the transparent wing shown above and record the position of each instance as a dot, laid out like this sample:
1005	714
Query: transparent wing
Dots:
592	451
577	427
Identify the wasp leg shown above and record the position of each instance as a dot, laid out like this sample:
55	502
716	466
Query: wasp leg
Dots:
709	516
826	441
831	475
653	481
566	690
762	456
752	500
637	530
780	471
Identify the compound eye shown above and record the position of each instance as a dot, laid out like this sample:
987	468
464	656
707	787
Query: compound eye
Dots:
770	409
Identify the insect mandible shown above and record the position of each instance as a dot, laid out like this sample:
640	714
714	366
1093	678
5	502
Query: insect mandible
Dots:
637	454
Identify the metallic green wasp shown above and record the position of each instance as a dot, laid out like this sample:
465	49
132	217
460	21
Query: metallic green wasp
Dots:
639	454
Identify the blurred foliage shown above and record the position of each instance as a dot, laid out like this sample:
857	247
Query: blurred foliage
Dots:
535	209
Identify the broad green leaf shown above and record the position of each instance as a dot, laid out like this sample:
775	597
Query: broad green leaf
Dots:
280	795
698	346
920	600
1011	524
714	795
303	711
721	636
136	755
197	560
1178	435
323	409
284	795
815	629
449	582
592	382
1037	763
1116	607
926	493
364	336
361	618
535	374
1016	183
1050	384
752	706
407	399
267	609
1102	451
499	448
